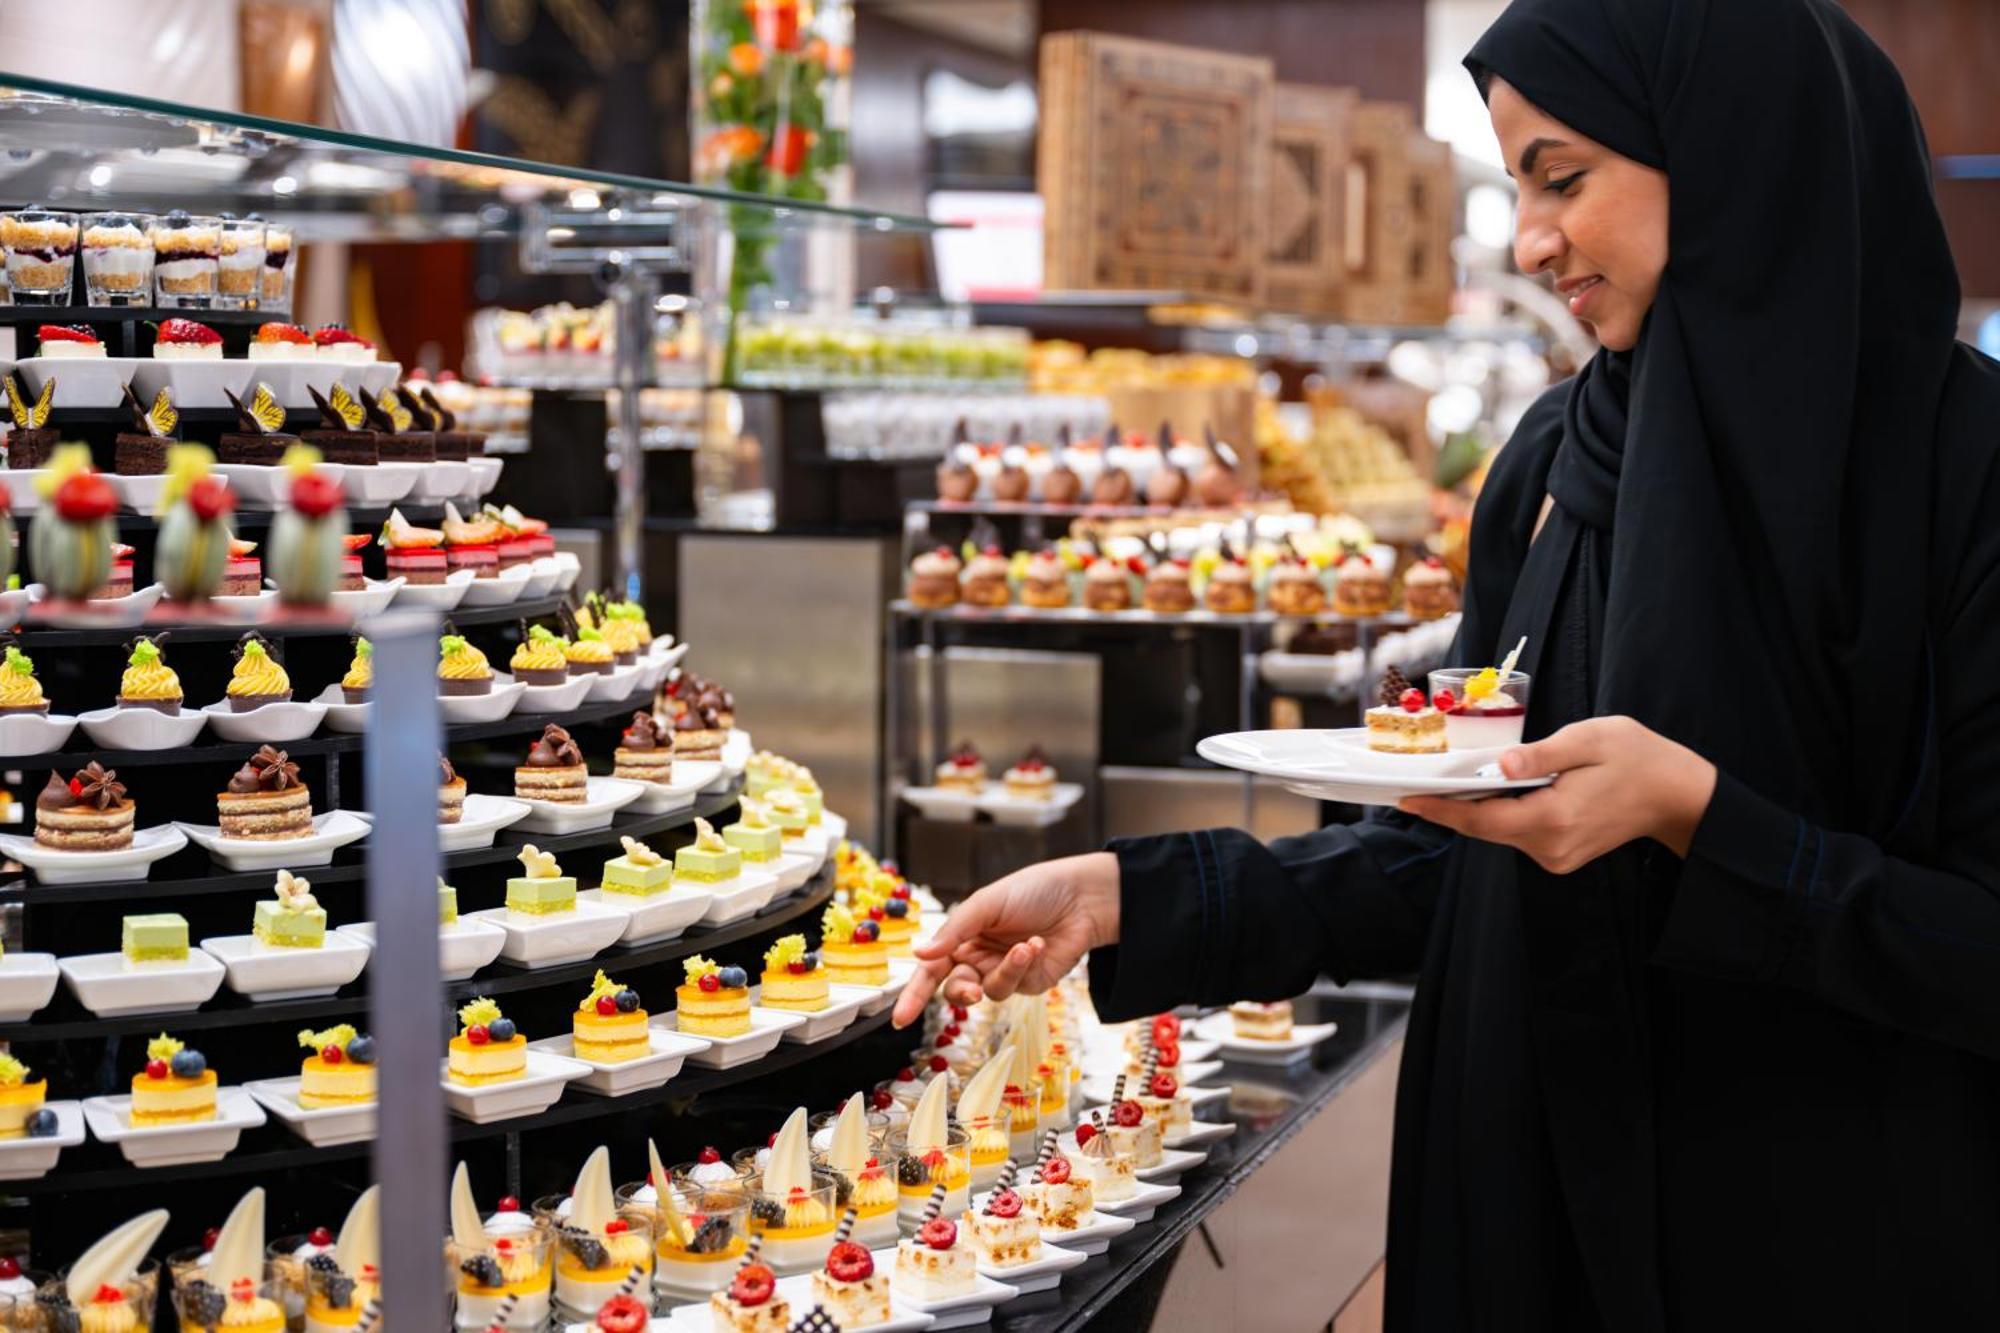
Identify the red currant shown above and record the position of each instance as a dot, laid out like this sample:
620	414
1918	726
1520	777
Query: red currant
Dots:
710	982
214	1234
477	1035
331	1054
1445	699
508	1204
708	1157
939	1064
617	1226
156	1069
607	1006
1412	700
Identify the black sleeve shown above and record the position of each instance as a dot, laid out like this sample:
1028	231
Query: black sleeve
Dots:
1215	916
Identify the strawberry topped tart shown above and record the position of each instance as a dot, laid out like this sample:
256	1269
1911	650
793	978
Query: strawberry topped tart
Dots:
68	341
333	342
413	553
1033	778
186	340
281	342
471	543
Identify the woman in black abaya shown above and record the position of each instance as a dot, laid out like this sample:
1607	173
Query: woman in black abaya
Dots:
1705	1031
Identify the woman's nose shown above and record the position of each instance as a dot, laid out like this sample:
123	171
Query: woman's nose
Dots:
1537	244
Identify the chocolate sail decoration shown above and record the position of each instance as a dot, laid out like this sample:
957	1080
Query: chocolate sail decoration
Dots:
446	419
385	413
337	409
25	416
419	415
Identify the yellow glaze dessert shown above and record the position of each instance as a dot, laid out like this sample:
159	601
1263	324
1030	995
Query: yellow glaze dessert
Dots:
257	674
488	1048
339	1072
20	692
589	652
460	663
610	1026
541	652
20	1097
853	950
148	681
794	977
360	677
708	1005
176	1087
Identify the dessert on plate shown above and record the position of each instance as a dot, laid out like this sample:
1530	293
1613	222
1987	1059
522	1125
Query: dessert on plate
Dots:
984	582
645	751
20	692
462	669
1107	585
1112	1175
1055	1196
230	1291
1261	1022
871	1188
351	577
753	834
68	342
343	435
257	678
453	444
335	343
541	889
793	977
1230	588
187	258
142	451
340	1069
1404	721
488	1047
1428	590
751	1303
1359	588
588	653
359	682
160	937
342	1285
119	582
702	1229
451	792
1112	486
938	1262
1003	1230
963	770
276	341
87	812
598	1244
553	770
1045	581
699	733
175	1088
854	952
609	1025
502	1262
792	1209
981	1112
1033	778
32	439
1295	589
1133	1133
714	1001
148	682
266	800
186	340
242	571
933	1152
21	1095
1160	1097
847	1286
640	872
1491	708
401	437
539	658
412	553
471	543
934	579
1168	590
709	859
293	919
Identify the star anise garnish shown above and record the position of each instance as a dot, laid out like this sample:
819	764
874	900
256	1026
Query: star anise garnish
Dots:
100	785
276	771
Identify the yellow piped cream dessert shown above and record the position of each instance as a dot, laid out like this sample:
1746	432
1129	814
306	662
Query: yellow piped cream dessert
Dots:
230	1293
539	658
714	1001
336	1299
598	1245
794	977
20	692
148	682
256	679
103	1285
609	1026
462	669
360	677
488	1048
20	1097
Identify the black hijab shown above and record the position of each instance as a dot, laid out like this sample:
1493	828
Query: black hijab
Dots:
1753	481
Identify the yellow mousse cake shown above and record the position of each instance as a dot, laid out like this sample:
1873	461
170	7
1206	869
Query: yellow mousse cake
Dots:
176	1086
854	951
794	977
610	1026
488	1048
340	1071
20	1097
715	1001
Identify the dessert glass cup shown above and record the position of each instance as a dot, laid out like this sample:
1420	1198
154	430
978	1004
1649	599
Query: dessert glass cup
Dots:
284	1265
582	1290
921	1168
240	264
40	248
544	1208
682	1268
878	1126
1488	728
476	1308
684	1172
192	1320
794	1249
117	250
281	258
187	255
142	1293
24	1313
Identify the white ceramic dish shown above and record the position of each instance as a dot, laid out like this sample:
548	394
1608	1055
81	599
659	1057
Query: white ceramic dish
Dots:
342	716
1218	1028
24	489
482	817
193	383
249	609
55	866
767	1028
110	987
289	381
615	684
690	776
1145	1201
740	897
27	982
900	972
142	728
531	1094
696	1317
270	724
794	870
736	753
442	481
542	576
437	596
1172	1164
375	486
31	1159
322	1127
843	1007
835	828
659	917
374	376
371	599
1028	812
15	603
947	805
495	704
1042	1273
260	971
572	568
485	472
1201	1132
99	613
464	946
25	734
1095	1089
670	1051
974	1307
536	699
558	937
95	381
503	589
332	830
603	798
140	494
110	1121
266	485
1329	766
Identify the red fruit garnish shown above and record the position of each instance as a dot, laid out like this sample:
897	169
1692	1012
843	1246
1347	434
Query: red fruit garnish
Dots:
943	1041
317	1236
877	914
508	1204
1169	1055
952	1030
890	866
477	1034
1166	1027
1085	1132
617	1226
1164	1086
106	1294
1004	1204
960	1012
1055	1171
65	333
882	1100
935	1160
623	1314
10	1267
85	497
331	1054
709	982
939	1233
354	541
156	1069
6	497
328	334
1412	700
900	891
797	967
186	331
607	1006
76	787
872	1162
771	1140
316	495
848	1262
209	1237
939	1064
1128	1115
708	1157
1432	562
906	1074
282	333
1444	700
210	498
752	1285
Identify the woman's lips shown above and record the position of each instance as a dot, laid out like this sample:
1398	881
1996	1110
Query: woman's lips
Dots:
1581	294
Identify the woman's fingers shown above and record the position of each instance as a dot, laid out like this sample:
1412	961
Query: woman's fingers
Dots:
967	921
963	986
1575	746
1501	820
1005	978
917	991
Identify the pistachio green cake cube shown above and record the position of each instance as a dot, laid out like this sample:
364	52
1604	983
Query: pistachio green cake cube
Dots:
691	863
289	927
622	876
756	844
541	897
159	938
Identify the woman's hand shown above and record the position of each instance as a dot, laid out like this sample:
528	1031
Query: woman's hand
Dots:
1023	932
1618	781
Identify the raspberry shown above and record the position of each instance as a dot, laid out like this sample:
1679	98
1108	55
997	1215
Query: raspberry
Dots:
906	1075
1085	1132
1412	700
752	1285
708	1157
939	1233
848	1262
623	1314
1055	1171
1004	1204
617	1226
1166	1027
1169	1055
1128	1115
508	1204
1164	1086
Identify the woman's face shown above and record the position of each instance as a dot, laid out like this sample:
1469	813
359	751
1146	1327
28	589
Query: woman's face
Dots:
1594	221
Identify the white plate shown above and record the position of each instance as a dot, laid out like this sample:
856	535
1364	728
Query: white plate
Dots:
485	473
1096	1090
110	987
54	866
322	1127
98	613
843	1007
1042	1273
1172	1164
1027	812
794	870
289	381
1323	765
696	1317
174	1145
1218	1028
1200	1132
736	753
946	805
669	657
332	830
495	704
542	576
266	485
689	777
482	817
974	1307
373	486
653	670
835	828
29	1159
557	937
24	734
23	489
194	383
142	728
15	604
92	381
621	682
371	599
670	1052
740	897
437	596
374	376
140	494
264	972
572	568
270	724
660	799
27	981
602	798
464	946
247	609
531	1094
563	698
503	589
767	1028
443	481
661	916
900	972
343	716
1145	1201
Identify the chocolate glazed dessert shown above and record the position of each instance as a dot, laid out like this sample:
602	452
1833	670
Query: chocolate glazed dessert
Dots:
260	434
142	451
343	435
553	770
88	813
397	431
266	800
645	751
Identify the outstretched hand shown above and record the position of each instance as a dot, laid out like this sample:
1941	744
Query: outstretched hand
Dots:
1023	932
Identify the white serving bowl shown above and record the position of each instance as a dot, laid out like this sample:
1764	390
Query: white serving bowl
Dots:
375	485
269	724
110	987
437	596
464	946
27	982
603	797
193	383
555	937
142	728
266	485
331	831
655	917
261	971
531	1094
503	589
92	381
110	1121
25	734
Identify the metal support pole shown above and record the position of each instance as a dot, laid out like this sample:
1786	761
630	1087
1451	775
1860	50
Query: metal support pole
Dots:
633	290
1246	708
893	775
404	984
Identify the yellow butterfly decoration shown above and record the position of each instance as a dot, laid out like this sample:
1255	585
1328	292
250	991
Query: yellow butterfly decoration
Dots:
161	418
346	406
26	417
267	412
399	416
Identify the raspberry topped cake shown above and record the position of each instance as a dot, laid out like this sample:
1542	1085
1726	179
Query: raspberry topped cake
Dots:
937	1263
1404	721
69	341
847	1286
793	977
1112	1175
752	1303
1033	777
963	770
1003	1229
1058	1198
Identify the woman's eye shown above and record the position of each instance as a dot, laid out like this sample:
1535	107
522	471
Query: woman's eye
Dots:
1562	186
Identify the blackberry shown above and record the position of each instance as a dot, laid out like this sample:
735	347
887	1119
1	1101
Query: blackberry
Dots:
711	1237
323	1263
589	1251
203	1304
484	1269
768	1211
843	1189
911	1171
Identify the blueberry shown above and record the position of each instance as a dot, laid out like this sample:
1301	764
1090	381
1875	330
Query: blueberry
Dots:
362	1050
226	216
42	1124
711	1237
897	908
628	1001
735	977
867	932
177	218
501	1029
811	960
189	1064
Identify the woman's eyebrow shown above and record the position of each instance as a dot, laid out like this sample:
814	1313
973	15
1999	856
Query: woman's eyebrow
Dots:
1534	149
